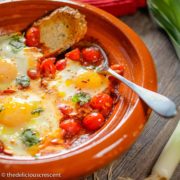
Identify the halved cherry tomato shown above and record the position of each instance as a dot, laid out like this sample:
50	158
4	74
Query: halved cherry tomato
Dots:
71	127
103	102
60	65
93	121
47	67
118	68
33	74
91	54
65	109
33	37
74	55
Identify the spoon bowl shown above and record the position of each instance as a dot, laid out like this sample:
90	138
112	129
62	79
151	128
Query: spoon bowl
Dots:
157	102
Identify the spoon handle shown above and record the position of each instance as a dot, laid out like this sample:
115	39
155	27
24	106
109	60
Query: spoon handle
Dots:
157	102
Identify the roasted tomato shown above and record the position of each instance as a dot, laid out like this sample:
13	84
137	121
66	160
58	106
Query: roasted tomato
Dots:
118	68
103	102
83	110
33	37
91	54
47	67
33	74
61	64
93	121
71	127
65	109
74	55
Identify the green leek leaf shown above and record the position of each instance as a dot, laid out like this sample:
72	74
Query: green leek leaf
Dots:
166	14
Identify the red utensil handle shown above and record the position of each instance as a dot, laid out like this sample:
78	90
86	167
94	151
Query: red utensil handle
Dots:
117	7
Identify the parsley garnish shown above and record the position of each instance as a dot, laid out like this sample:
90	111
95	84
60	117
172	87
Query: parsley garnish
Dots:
17	43
29	138
23	81
37	111
81	98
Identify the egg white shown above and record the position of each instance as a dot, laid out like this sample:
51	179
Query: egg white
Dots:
23	59
45	123
66	84
65	81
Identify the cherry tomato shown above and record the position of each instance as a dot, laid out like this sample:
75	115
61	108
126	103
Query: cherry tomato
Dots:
65	109
47	67
91	54
118	68
103	102
74	55
33	74
70	126
33	37
93	121
60	65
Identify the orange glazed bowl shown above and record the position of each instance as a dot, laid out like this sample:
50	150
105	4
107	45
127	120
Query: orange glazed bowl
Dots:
128	117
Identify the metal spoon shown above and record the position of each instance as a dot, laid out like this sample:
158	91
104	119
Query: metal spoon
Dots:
157	102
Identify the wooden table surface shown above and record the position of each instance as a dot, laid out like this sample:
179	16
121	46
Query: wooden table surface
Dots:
139	160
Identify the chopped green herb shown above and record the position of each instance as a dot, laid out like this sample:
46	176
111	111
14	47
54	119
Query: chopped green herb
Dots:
29	138
37	111
17	43
81	98
1	108
23	81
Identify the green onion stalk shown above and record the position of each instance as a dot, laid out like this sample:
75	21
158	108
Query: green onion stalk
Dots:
168	159
166	14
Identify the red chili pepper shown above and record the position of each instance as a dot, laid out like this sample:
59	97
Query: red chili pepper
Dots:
47	67
93	121
61	64
33	37
91	54
74	55
8	91
71	127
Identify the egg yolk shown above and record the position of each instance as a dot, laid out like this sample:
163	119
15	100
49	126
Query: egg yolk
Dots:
89	80
14	114
8	71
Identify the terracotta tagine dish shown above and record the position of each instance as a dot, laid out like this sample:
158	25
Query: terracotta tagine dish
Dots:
100	118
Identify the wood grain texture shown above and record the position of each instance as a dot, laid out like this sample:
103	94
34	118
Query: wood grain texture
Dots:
139	160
